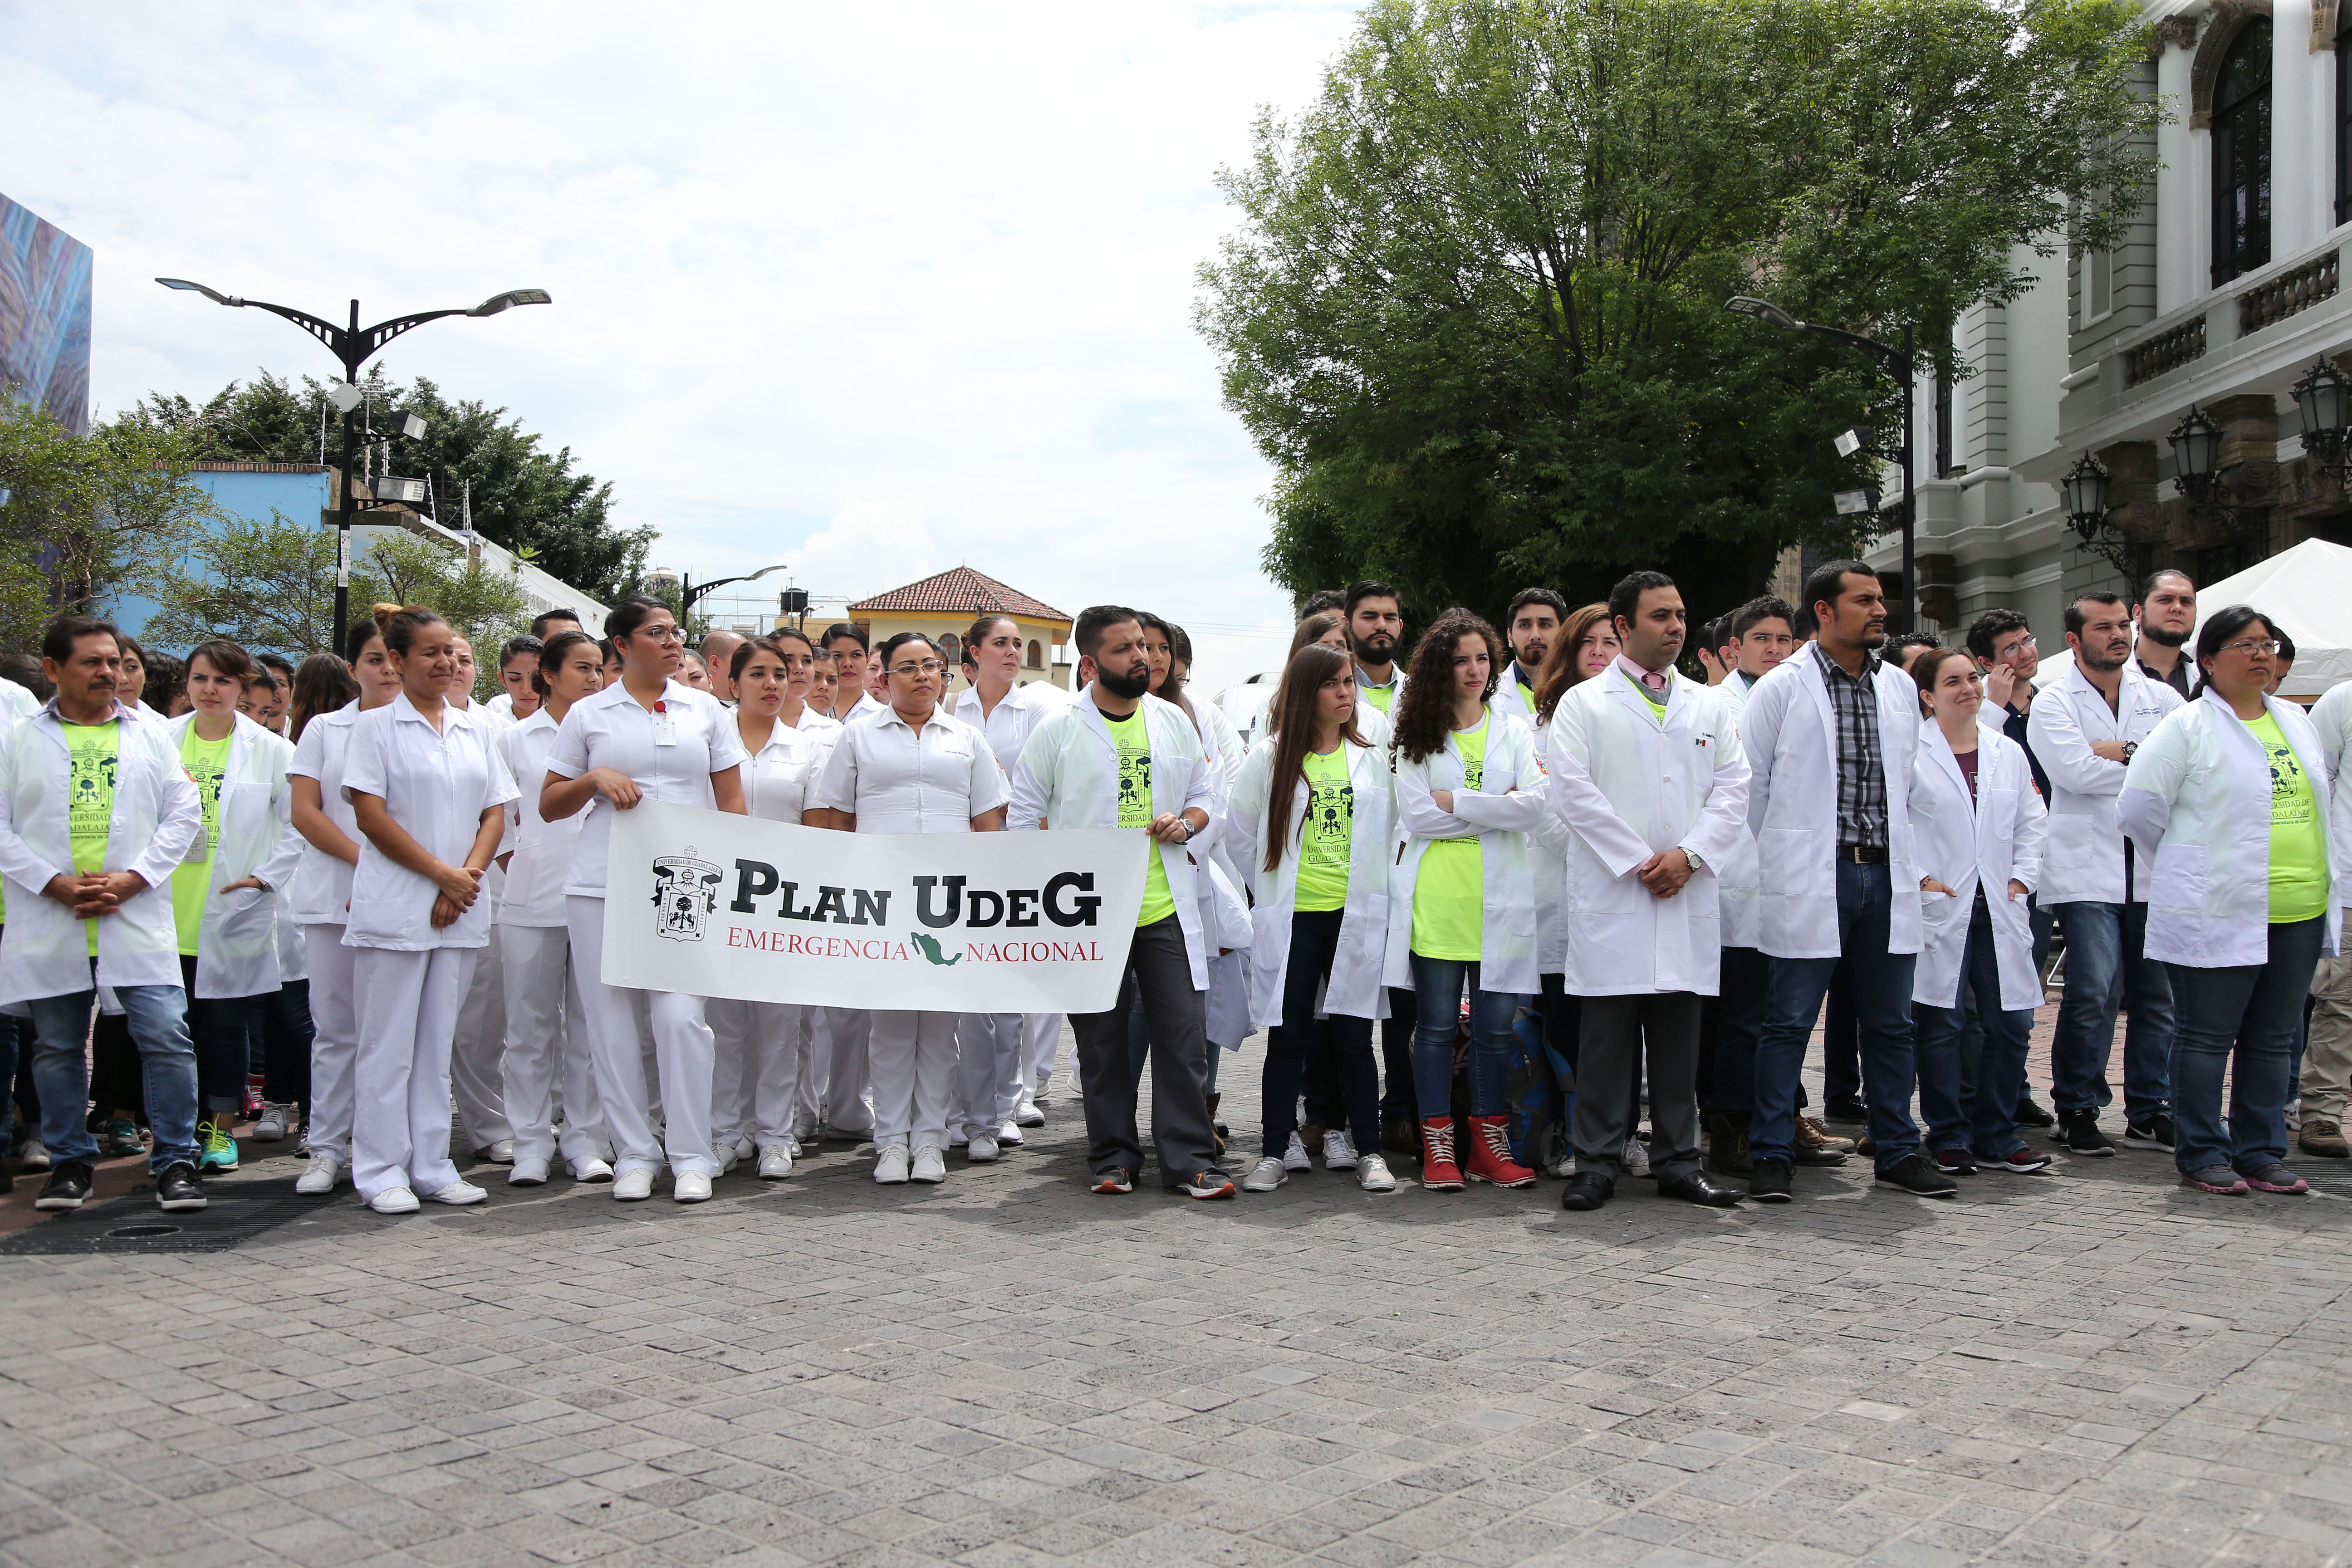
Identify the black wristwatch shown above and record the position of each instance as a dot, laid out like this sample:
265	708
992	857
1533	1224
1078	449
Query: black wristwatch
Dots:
2129	747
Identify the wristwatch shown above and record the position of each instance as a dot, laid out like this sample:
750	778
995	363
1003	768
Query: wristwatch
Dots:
1692	856
2129	747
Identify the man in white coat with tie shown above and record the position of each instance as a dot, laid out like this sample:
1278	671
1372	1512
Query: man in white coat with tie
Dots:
1830	735
1647	772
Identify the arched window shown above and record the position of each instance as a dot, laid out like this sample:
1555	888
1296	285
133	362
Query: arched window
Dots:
2242	153
1037	655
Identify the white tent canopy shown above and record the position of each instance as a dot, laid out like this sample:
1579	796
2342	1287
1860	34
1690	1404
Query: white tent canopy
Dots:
2306	592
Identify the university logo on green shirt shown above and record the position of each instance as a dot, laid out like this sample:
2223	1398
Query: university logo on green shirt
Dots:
207	763
1329	832
1133	741
92	752
2298	849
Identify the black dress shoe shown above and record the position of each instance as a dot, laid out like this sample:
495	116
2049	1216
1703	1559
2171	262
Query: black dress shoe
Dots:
1845	1111
1913	1173
2032	1115
1587	1190
1770	1183
1699	1188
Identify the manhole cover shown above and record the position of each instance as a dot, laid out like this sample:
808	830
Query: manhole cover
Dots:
238	1212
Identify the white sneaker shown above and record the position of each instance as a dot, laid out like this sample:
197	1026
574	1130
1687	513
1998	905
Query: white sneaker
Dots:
793	1144
1266	1175
274	1120
1372	1174
979	1152
36	1156
591	1169
727	1153
635	1188
775	1163
1009	1136
459	1192
319	1176
745	1146
931	1161
1637	1157
692	1186
1026	1114
1338	1154
1294	1157
498	1153
529	1171
890	1166
398	1200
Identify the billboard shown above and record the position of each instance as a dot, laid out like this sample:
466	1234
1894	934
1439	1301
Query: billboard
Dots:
45	315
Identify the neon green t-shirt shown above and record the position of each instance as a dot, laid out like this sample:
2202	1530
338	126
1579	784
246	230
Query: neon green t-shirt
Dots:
92	751
1657	699
1449	895
1380	697
207	762
1134	742
2298	849
1330	832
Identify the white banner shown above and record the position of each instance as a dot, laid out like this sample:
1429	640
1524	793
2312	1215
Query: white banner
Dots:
717	905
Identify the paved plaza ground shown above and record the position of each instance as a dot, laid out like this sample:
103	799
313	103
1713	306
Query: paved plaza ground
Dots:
2087	1367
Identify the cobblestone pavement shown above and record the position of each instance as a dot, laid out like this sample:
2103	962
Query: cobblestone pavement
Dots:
2088	1367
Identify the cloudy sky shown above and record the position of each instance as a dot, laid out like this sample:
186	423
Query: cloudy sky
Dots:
874	290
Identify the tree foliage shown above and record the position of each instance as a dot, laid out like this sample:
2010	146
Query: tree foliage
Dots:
1473	312
528	500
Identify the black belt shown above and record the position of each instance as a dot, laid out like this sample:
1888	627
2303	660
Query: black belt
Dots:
1860	855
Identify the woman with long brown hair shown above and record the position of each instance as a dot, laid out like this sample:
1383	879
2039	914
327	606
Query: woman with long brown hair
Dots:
1311	820
1587	642
1462	902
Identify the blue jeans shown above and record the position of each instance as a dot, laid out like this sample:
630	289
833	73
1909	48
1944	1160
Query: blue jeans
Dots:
2107	968
1972	1061
1746	980
1437	984
2247	1020
167	1059
1882	1005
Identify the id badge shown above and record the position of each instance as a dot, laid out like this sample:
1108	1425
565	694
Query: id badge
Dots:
665	726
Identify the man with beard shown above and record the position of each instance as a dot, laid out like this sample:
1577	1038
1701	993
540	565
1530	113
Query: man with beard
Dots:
1120	758
2167	613
1535	619
2086	728
1375	622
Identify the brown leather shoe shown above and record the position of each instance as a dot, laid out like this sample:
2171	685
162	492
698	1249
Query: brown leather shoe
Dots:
1814	1135
1399	1136
1727	1149
2324	1137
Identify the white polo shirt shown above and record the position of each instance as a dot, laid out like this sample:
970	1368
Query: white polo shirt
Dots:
776	780
1007	729
610	730
542	854
435	786
322	890
899	782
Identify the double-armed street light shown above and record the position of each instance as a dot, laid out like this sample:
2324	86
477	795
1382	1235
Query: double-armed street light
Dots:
354	345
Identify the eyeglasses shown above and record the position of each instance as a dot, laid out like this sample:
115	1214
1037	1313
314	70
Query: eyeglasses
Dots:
927	667
2252	645
2020	646
662	634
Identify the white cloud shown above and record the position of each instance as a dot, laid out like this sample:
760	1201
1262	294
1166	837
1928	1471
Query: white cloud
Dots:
818	271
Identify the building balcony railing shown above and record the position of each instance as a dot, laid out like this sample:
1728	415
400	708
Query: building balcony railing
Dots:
2297	288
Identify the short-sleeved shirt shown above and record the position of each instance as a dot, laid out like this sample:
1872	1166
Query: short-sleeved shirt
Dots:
321	893
436	785
540	852
897	781
1132	738
778	778
1329	833
207	763
1449	894
613	730
93	751
2298	848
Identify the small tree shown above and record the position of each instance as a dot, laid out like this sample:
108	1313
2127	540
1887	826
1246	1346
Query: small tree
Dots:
269	585
485	606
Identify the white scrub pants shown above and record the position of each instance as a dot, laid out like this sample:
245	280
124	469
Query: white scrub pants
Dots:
335	1037
476	1057
1040	1038
808	1092
759	1047
848	1086
547	1040
400	1078
619	1018
990	1055
913	1055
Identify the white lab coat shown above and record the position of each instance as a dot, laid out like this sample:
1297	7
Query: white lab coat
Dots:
45	951
2331	719
1509	699
1738	880
1068	777
16	704
2197	793
2083	860
1789	734
1506	808
1354	988
1225	912
236	945
1989	844
1629	785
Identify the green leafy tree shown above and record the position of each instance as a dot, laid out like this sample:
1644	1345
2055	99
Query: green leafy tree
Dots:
484	604
267	586
521	497
1473	312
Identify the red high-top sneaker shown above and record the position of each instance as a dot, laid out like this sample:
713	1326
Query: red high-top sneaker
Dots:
1439	1174
1490	1155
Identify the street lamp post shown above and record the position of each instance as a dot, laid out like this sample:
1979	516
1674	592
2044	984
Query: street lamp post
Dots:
1896	362
354	345
688	590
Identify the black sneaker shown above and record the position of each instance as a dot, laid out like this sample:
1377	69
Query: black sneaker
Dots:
177	1190
1913	1173
68	1186
2032	1115
2155	1132
2079	1130
1770	1183
1845	1111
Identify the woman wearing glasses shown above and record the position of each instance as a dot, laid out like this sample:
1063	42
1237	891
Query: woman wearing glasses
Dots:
907	767
646	736
2231	793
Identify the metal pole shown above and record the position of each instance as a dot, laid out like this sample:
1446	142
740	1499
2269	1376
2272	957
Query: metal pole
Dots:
1910	500
343	513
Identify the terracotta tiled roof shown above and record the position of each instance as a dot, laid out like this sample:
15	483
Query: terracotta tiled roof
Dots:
961	591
